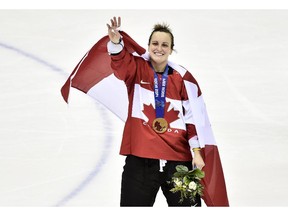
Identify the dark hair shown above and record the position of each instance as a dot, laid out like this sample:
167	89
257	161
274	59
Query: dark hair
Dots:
162	28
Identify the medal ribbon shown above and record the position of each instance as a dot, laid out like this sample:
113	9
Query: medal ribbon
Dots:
160	93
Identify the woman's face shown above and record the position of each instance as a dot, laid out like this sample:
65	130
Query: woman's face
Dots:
160	48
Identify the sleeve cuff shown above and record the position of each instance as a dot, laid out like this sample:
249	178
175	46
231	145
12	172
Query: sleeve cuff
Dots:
115	48
194	143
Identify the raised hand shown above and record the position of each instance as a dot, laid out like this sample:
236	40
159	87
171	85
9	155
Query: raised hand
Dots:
113	32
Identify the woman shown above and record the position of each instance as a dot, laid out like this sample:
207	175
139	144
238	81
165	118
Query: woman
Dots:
159	133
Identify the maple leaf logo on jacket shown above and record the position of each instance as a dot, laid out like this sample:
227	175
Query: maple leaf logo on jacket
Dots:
170	116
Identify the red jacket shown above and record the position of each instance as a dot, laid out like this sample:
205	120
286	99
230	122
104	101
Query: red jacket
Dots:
139	138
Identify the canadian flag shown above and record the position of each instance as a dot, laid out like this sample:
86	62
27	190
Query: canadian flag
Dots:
94	76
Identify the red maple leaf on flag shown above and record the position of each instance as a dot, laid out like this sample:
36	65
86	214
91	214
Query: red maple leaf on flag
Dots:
170	116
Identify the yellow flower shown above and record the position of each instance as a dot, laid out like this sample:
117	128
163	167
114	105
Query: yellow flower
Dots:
178	182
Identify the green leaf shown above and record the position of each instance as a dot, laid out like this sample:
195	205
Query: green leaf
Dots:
178	174
182	168
186	180
199	173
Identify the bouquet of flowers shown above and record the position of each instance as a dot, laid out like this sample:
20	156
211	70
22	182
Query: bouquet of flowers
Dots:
187	182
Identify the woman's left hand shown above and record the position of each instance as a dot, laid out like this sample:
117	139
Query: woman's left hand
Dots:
198	160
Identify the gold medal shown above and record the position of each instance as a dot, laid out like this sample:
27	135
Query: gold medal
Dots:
160	125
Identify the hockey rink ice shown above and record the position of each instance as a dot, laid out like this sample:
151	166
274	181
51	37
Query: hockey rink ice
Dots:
54	154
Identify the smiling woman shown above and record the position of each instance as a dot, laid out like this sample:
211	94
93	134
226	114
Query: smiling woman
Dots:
161	43
169	86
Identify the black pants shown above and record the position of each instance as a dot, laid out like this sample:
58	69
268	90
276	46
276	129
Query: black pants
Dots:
141	181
